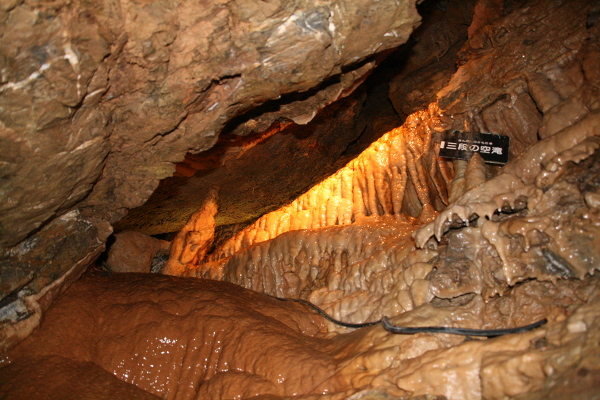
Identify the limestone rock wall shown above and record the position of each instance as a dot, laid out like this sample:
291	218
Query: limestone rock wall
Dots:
525	223
537	73
99	99
124	89
313	247
538	81
251	184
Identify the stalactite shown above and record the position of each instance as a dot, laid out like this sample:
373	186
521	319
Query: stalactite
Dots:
457	187
517	178
373	184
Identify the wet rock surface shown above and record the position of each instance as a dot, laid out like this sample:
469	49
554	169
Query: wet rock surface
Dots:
173	330
185	338
56	377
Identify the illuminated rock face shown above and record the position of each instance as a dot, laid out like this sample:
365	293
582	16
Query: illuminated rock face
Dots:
537	230
323	259
391	178
517	226
195	239
347	238
346	246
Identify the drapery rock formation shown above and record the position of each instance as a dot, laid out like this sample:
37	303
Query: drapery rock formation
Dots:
399	233
252	185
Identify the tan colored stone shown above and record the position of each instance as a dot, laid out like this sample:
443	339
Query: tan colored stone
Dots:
134	252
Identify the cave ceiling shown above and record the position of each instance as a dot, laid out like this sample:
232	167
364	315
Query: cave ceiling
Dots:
299	156
118	92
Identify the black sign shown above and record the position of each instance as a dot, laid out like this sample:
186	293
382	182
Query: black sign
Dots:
462	145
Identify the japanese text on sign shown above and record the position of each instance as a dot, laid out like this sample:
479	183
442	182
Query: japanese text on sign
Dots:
462	145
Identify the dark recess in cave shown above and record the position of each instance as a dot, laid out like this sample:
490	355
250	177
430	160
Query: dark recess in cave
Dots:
302	155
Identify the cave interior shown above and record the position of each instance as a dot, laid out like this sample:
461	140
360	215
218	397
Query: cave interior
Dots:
195	195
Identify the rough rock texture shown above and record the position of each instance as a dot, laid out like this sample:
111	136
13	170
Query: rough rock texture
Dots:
398	175
134	252
45	265
536	73
213	340
531	244
99	99
377	184
198	339
308	153
430	61
125	89
250	184
509	250
193	241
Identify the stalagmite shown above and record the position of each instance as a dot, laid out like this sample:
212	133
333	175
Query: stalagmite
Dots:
193	242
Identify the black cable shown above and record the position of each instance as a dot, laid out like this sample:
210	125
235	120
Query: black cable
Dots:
459	331
388	326
330	318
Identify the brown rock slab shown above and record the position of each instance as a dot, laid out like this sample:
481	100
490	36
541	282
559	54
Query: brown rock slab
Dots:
98	100
134	251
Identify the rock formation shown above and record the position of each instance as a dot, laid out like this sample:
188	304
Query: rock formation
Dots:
99	100
108	84
397	232
195	239
134	252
